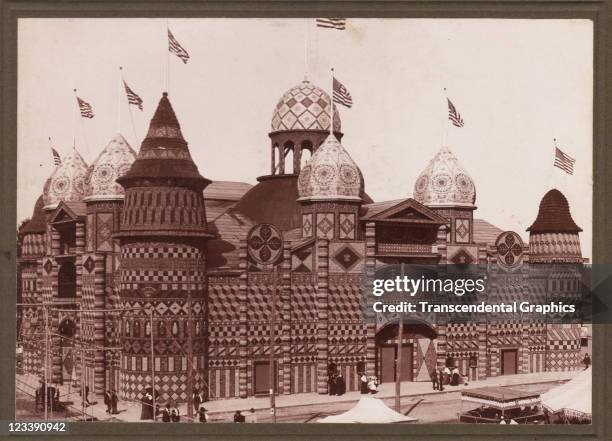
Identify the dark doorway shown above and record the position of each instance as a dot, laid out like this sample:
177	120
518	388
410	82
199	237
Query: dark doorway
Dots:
261	376
509	360
387	363
67	332
66	281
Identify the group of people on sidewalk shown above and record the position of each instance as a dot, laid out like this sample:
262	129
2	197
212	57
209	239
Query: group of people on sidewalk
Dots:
169	412
250	417
447	376
111	400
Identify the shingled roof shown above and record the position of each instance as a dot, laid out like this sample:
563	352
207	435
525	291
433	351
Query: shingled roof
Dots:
37	224
554	215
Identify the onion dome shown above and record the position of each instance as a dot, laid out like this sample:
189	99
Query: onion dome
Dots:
37	224
114	161
554	215
304	107
67	182
330	174
164	152
445	183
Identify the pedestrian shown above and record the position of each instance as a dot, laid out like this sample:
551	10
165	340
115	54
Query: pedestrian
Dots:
340	385
434	379
238	417
364	383
441	380
86	396
587	361
503	420
146	410
114	402
202	415
373	384
196	399
107	401
174	415
166	414
331	383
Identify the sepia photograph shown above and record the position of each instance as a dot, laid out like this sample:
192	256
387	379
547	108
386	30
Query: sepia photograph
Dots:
212	211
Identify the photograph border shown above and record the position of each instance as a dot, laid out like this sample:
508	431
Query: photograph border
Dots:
600	12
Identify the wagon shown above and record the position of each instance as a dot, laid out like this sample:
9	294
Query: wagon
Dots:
499	404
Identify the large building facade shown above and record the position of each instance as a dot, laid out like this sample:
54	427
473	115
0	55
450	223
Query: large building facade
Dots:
152	274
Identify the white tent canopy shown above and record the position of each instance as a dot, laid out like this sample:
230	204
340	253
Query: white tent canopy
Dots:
368	410
572	398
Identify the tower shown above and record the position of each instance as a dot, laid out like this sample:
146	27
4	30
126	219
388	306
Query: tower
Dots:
104	202
553	236
447	188
300	123
162	237
330	187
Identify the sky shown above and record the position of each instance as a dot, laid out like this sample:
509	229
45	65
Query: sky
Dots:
518	85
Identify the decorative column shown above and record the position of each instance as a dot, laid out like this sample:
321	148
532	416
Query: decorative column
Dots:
99	324
370	269
285	297
243	341
482	351
322	249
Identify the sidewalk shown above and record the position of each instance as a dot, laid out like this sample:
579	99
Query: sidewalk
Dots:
130	411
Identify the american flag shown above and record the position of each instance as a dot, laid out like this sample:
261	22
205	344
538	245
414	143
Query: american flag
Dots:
56	157
453	115
332	23
85	108
564	162
132	97
342	95
176	48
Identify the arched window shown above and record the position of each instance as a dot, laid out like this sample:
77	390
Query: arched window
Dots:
127	328
175	328
288	161
136	328
197	328
306	153
147	328
161	329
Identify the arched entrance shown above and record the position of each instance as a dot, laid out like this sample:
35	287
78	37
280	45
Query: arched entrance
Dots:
66	281
418	352
67	332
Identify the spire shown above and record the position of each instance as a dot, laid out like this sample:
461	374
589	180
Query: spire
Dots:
164	152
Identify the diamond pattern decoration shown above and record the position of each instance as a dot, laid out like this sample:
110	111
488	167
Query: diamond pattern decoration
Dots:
307	225
462	230
88	264
347	225
48	266
304	107
325	225
346	257
302	261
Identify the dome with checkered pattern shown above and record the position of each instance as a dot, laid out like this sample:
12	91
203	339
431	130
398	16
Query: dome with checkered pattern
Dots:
67	183
304	107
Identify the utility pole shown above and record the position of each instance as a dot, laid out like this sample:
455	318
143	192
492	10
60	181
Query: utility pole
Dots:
152	364
398	362
46	363
189	351
272	340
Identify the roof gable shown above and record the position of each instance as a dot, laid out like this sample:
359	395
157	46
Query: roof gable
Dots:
68	213
402	211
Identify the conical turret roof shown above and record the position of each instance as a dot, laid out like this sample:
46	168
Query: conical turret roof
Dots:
554	215
37	223
67	183
164	153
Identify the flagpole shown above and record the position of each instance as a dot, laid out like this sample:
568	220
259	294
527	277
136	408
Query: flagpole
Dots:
167	60
74	120
445	121
331	96
119	100
306	48
130	112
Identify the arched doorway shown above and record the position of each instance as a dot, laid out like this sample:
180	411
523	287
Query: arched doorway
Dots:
66	281
418	351
67	332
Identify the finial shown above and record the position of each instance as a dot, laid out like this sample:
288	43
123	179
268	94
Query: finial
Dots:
165	94
74	90
120	67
